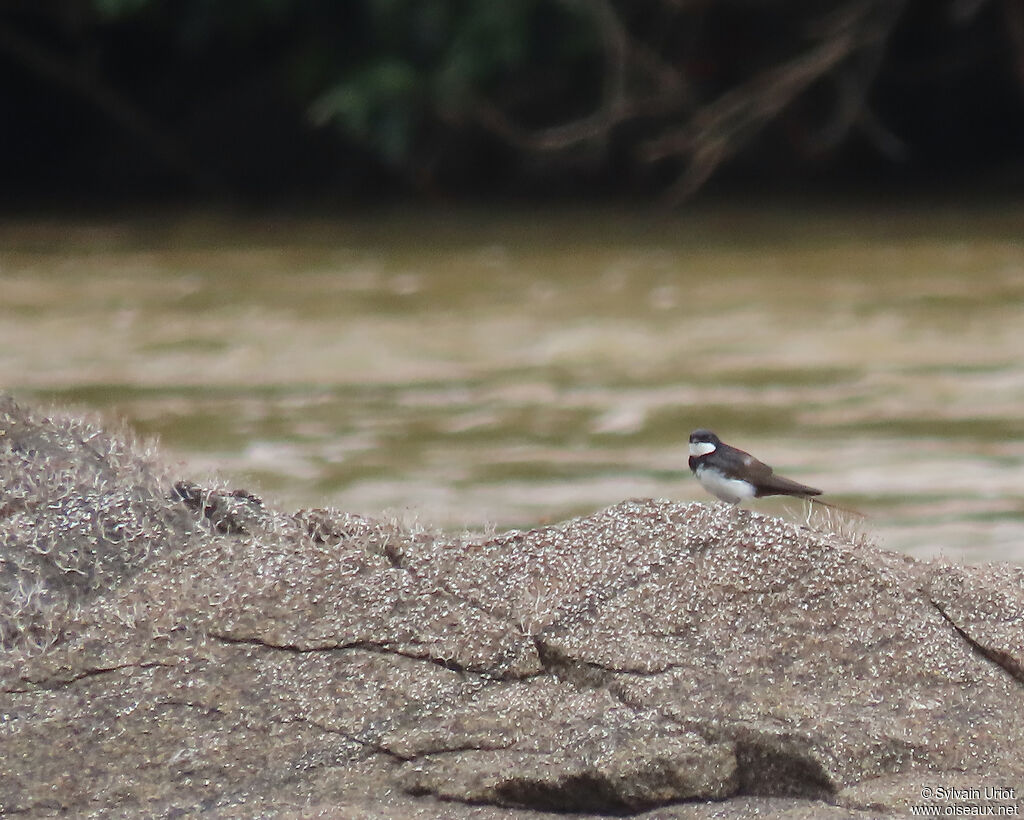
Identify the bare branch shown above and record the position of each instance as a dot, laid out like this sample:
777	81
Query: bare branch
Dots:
723	127
849	45
628	63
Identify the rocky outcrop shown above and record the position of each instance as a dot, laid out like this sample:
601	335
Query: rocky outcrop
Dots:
672	660
81	509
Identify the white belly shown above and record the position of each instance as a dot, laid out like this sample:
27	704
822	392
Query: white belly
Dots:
731	490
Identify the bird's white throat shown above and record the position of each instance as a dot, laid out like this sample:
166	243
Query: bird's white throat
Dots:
701	448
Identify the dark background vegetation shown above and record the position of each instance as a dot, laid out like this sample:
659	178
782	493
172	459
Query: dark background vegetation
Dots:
271	101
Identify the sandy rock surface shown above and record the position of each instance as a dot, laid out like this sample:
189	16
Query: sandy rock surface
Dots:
169	649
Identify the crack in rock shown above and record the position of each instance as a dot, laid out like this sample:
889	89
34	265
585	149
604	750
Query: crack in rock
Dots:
1004	660
366	646
766	764
58	682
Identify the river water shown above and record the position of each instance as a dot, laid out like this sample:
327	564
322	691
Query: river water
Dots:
503	369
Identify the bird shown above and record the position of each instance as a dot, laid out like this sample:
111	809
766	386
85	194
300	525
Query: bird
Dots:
733	475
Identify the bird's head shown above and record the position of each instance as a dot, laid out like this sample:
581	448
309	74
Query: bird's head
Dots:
703	443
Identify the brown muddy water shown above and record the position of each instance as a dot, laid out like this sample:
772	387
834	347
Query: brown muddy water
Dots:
474	370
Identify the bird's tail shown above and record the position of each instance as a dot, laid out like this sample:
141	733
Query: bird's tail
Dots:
838	507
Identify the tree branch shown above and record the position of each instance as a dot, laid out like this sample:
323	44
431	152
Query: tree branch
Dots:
623	58
639	83
720	129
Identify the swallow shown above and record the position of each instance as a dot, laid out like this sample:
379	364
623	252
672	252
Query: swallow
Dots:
734	475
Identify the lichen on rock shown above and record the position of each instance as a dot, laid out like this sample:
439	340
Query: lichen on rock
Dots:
169	648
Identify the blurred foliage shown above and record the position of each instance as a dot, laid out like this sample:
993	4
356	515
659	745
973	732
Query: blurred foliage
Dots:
430	59
274	95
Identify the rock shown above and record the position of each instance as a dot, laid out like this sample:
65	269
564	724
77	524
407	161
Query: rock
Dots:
678	661
80	510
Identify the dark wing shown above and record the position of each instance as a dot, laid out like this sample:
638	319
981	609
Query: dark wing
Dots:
741	464
736	463
777	485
